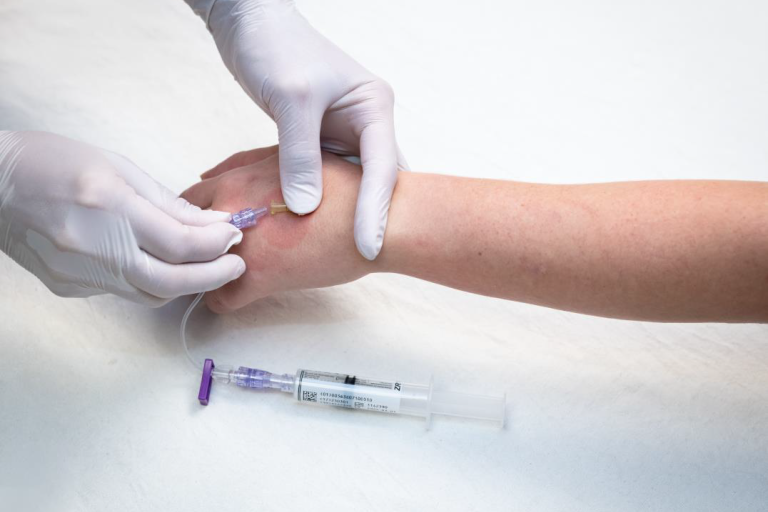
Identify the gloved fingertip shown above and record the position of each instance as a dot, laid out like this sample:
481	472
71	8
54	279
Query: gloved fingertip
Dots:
370	246
370	225
240	269
301	201
236	239
217	216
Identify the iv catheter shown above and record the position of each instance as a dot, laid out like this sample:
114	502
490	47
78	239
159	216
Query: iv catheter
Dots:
338	389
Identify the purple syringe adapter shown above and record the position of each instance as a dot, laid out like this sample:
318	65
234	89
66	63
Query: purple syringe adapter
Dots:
206	383
244	377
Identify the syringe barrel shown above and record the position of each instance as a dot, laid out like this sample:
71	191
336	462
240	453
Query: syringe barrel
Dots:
423	400
342	390
349	391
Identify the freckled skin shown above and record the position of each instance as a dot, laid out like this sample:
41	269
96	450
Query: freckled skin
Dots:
677	251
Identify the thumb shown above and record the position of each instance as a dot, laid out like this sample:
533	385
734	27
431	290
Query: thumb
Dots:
301	165
379	156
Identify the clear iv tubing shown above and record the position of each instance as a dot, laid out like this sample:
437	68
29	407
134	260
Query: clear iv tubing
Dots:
243	219
348	391
198	365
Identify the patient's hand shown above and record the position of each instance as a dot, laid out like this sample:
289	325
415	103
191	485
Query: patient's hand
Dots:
285	251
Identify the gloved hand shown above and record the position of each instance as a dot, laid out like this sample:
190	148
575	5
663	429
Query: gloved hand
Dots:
318	96
87	221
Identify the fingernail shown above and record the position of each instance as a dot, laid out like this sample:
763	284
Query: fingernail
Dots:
235	239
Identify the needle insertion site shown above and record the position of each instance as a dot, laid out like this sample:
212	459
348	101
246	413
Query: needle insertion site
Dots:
275	207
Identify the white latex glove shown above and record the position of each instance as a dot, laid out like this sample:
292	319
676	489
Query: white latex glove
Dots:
86	221
319	97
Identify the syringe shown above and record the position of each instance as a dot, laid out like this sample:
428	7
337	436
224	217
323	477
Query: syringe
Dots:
343	390
349	391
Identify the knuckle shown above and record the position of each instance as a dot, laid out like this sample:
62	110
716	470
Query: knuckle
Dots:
164	287
186	246
132	267
230	188
230	181
217	302
234	161
292	86
377	94
183	206
137	265
66	240
96	188
385	91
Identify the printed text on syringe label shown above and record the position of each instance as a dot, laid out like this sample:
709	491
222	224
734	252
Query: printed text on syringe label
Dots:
348	391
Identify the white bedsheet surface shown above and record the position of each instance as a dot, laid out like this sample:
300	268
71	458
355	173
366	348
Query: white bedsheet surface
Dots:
98	406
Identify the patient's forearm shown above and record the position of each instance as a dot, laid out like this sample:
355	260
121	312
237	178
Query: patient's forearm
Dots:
664	251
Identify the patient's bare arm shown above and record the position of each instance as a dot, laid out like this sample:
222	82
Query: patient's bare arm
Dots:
663	250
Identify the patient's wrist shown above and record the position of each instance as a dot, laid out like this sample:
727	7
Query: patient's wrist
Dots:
429	227
402	238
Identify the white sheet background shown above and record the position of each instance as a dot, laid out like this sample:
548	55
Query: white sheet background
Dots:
97	403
